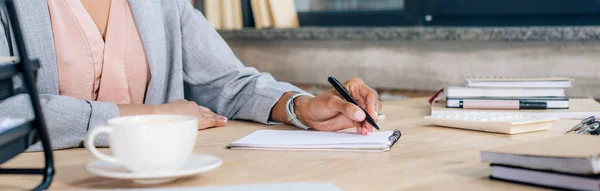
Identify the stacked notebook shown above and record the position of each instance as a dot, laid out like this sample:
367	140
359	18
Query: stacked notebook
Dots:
565	162
510	93
578	109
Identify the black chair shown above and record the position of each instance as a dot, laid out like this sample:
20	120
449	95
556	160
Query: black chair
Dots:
16	140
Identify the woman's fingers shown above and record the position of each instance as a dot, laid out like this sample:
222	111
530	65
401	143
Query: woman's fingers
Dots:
208	119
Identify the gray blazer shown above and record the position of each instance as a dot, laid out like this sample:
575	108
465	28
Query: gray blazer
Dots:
187	59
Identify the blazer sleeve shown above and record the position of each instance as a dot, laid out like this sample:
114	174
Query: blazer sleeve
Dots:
215	78
67	119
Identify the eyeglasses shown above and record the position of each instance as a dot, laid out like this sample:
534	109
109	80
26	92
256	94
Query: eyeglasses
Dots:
588	126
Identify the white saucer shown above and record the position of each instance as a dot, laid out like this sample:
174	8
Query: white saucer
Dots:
196	164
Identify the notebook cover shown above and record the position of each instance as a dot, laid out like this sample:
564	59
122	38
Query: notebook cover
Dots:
595	177
538	185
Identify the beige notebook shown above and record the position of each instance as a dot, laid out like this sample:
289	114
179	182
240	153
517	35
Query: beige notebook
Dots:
578	109
579	154
493	122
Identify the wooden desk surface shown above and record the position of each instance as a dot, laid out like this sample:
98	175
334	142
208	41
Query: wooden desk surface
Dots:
425	158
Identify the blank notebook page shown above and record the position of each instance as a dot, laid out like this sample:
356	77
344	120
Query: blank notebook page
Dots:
284	139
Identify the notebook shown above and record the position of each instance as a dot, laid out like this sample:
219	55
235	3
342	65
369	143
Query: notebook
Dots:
578	109
544	178
527	82
467	92
577	154
492	122
511	103
317	141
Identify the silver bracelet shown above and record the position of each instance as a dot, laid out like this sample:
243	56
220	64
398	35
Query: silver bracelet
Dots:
291	114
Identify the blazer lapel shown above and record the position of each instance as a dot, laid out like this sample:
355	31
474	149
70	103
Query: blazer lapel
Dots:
34	19
148	18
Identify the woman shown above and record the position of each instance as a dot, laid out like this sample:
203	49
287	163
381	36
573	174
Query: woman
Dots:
107	58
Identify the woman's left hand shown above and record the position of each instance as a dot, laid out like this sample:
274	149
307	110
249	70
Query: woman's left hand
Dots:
330	112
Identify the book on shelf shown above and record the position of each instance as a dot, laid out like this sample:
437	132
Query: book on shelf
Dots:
262	14
212	11
224	14
519	82
236	9
231	14
284	14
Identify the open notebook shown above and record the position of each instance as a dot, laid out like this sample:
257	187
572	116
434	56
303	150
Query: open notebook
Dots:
314	140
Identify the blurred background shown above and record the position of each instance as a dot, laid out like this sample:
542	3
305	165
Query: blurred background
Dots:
411	48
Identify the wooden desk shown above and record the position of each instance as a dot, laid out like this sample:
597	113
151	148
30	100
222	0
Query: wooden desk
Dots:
425	158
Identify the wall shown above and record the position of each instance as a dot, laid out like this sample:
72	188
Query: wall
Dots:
422	65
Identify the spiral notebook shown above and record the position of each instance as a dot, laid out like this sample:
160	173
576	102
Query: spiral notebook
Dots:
317	141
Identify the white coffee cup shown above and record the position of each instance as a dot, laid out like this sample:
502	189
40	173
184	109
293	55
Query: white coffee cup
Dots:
147	143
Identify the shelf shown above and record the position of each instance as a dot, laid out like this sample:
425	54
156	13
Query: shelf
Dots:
8	70
16	140
429	33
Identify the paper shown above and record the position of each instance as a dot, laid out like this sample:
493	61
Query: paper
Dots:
252	187
9	123
309	140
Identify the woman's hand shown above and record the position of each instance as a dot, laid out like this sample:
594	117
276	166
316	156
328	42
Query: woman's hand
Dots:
206	118
330	112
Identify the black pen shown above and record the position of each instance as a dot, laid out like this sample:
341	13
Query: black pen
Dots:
340	89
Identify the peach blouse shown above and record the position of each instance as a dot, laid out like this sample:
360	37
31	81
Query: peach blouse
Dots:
91	68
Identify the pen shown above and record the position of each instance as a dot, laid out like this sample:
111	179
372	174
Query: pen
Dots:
340	89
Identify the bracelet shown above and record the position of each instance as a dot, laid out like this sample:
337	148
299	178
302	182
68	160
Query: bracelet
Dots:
291	114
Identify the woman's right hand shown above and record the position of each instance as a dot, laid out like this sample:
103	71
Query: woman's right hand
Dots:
206	118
